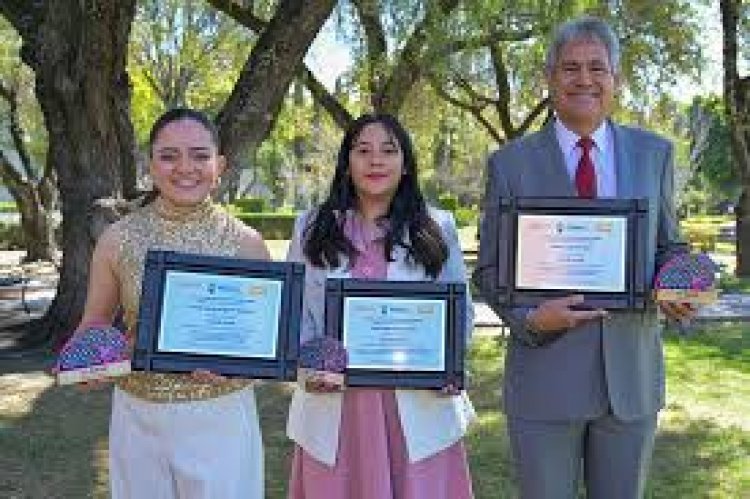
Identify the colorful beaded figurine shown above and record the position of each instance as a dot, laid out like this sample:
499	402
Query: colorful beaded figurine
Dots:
93	352
324	358
689	278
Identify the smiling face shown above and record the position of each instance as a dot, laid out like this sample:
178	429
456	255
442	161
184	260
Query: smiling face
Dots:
185	165
376	163
582	85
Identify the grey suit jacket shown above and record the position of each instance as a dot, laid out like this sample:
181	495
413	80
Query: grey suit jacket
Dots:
615	364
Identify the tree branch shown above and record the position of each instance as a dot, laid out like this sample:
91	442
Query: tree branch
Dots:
243	15
23	15
251	109
328	101
474	110
540	107
16	130
487	40
10	176
412	62
369	16
503	90
473	93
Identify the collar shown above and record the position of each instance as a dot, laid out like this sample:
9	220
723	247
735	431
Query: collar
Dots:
568	139
360	232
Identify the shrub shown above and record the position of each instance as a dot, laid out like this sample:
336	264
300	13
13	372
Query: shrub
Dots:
448	201
701	237
8	207
270	225
465	216
252	204
11	236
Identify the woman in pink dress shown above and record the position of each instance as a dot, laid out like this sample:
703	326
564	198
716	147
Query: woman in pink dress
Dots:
367	443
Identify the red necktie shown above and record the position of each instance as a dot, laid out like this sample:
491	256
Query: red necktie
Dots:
585	173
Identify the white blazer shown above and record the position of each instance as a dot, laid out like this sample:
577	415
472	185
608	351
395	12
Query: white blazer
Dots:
430	422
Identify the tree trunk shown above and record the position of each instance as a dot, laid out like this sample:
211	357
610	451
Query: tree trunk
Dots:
742	214
37	227
737	104
78	53
251	109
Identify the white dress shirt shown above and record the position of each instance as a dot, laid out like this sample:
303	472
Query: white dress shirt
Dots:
602	154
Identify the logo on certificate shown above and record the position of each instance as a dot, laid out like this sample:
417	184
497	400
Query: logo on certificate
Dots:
255	290
426	309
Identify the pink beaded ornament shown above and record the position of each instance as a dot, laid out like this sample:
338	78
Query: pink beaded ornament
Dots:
324	358
93	352
688	278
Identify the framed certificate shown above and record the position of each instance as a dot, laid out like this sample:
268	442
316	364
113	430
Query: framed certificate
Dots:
399	334
232	316
552	247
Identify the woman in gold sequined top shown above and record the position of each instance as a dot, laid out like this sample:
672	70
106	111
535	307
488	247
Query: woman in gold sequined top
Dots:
177	435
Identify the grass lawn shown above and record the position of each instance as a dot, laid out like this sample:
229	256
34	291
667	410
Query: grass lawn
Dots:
53	440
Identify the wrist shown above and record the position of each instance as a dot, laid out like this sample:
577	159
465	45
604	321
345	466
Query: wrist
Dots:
535	335
530	322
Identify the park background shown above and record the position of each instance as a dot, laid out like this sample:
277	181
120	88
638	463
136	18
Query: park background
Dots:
81	83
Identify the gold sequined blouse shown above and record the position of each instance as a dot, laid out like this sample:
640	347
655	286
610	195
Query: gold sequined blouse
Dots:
205	229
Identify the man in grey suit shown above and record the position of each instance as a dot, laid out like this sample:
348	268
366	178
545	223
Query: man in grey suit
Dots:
582	388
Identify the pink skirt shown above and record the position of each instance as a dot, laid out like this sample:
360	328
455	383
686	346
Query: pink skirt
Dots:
372	461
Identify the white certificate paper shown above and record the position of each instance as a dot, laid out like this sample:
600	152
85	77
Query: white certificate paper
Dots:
220	315
395	334
576	252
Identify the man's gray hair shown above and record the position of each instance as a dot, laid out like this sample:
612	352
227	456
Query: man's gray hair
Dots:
586	28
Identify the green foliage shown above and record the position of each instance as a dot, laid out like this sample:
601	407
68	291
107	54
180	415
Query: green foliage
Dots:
463	216
270	225
448	201
733	284
701	237
182	52
14	74
713	172
11	237
702	232
252	204
466	216
8	207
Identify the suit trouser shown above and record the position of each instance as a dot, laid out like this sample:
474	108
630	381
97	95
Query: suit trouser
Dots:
209	449
613	454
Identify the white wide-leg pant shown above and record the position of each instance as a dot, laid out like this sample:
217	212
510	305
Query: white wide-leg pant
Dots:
209	449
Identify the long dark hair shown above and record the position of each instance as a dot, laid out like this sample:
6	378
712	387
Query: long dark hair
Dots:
170	116
324	239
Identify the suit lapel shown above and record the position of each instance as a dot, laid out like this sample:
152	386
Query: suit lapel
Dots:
556	181
625	162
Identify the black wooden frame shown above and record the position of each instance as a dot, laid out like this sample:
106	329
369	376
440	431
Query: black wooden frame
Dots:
454	294
634	211
283	367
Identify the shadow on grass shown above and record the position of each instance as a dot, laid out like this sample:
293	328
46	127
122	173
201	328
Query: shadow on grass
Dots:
56	444
726	343
698	459
273	406
58	449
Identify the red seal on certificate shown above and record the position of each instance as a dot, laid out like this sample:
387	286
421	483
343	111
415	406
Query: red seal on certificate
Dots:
94	352
687	278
